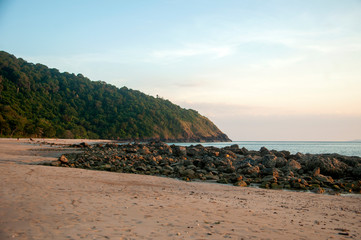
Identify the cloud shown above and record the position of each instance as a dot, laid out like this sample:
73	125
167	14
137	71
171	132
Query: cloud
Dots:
192	50
226	110
190	84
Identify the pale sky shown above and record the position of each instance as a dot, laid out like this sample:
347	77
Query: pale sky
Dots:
259	69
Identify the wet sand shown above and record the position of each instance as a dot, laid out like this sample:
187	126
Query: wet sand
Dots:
42	202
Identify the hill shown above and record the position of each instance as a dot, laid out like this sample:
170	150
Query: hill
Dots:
37	101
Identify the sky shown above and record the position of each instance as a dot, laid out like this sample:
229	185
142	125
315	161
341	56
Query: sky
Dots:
259	69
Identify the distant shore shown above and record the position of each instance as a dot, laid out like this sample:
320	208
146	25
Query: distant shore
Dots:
43	202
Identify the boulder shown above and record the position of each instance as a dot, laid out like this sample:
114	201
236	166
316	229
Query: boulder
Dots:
243	151
264	151
192	151
294	165
179	150
84	145
63	159
251	171
318	190
328	165
188	173
270	172
55	163
269	179
269	161
240	184
356	172
324	179
145	151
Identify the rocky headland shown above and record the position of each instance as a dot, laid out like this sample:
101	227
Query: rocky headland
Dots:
271	169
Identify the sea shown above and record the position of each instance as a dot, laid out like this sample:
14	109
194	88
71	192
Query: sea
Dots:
351	148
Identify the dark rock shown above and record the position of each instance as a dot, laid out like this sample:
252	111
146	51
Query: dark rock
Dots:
240	184
179	150
318	190
324	179
264	151
244	151
357	171
63	159
271	169
316	172
55	163
275	185
250	171
269	161
269	179
270	172
84	145
294	165
192	152
328	166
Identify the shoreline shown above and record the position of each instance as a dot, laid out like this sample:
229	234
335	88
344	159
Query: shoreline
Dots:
42	202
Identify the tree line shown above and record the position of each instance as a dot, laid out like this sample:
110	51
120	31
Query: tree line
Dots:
37	101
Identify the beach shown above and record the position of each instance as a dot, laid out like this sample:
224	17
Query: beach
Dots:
44	202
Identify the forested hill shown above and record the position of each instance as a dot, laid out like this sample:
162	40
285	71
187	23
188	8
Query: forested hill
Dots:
36	101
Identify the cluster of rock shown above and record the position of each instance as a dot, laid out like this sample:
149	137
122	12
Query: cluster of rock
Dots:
239	166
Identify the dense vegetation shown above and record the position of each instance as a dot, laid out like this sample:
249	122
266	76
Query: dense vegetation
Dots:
36	101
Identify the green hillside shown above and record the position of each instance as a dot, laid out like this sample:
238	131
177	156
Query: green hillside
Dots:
36	101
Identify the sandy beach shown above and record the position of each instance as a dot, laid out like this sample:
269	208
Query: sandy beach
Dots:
43	202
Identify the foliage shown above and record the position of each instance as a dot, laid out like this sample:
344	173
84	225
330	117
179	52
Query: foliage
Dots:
38	101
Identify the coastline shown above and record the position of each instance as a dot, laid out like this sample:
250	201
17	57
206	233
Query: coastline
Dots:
42	202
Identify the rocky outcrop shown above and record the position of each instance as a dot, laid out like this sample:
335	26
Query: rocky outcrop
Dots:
318	173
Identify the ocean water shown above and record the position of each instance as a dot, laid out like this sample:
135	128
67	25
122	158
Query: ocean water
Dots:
314	147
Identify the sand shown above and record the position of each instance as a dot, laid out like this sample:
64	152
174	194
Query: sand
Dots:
43	202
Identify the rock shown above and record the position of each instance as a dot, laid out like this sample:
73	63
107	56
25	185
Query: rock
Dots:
250	161
234	147
189	173
281	162
269	160
244	151
240	184
316	172
318	190
242	165
145	151
270	171
55	163
294	165
63	159
265	185
179	150
356	171
210	176
328	165
284	154
275	186
251	171
167	167
297	156
269	179
298	185
107	167
264	151
84	145
324	179
192	152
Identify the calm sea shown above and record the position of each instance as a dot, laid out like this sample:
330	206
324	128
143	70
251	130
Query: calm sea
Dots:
314	147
